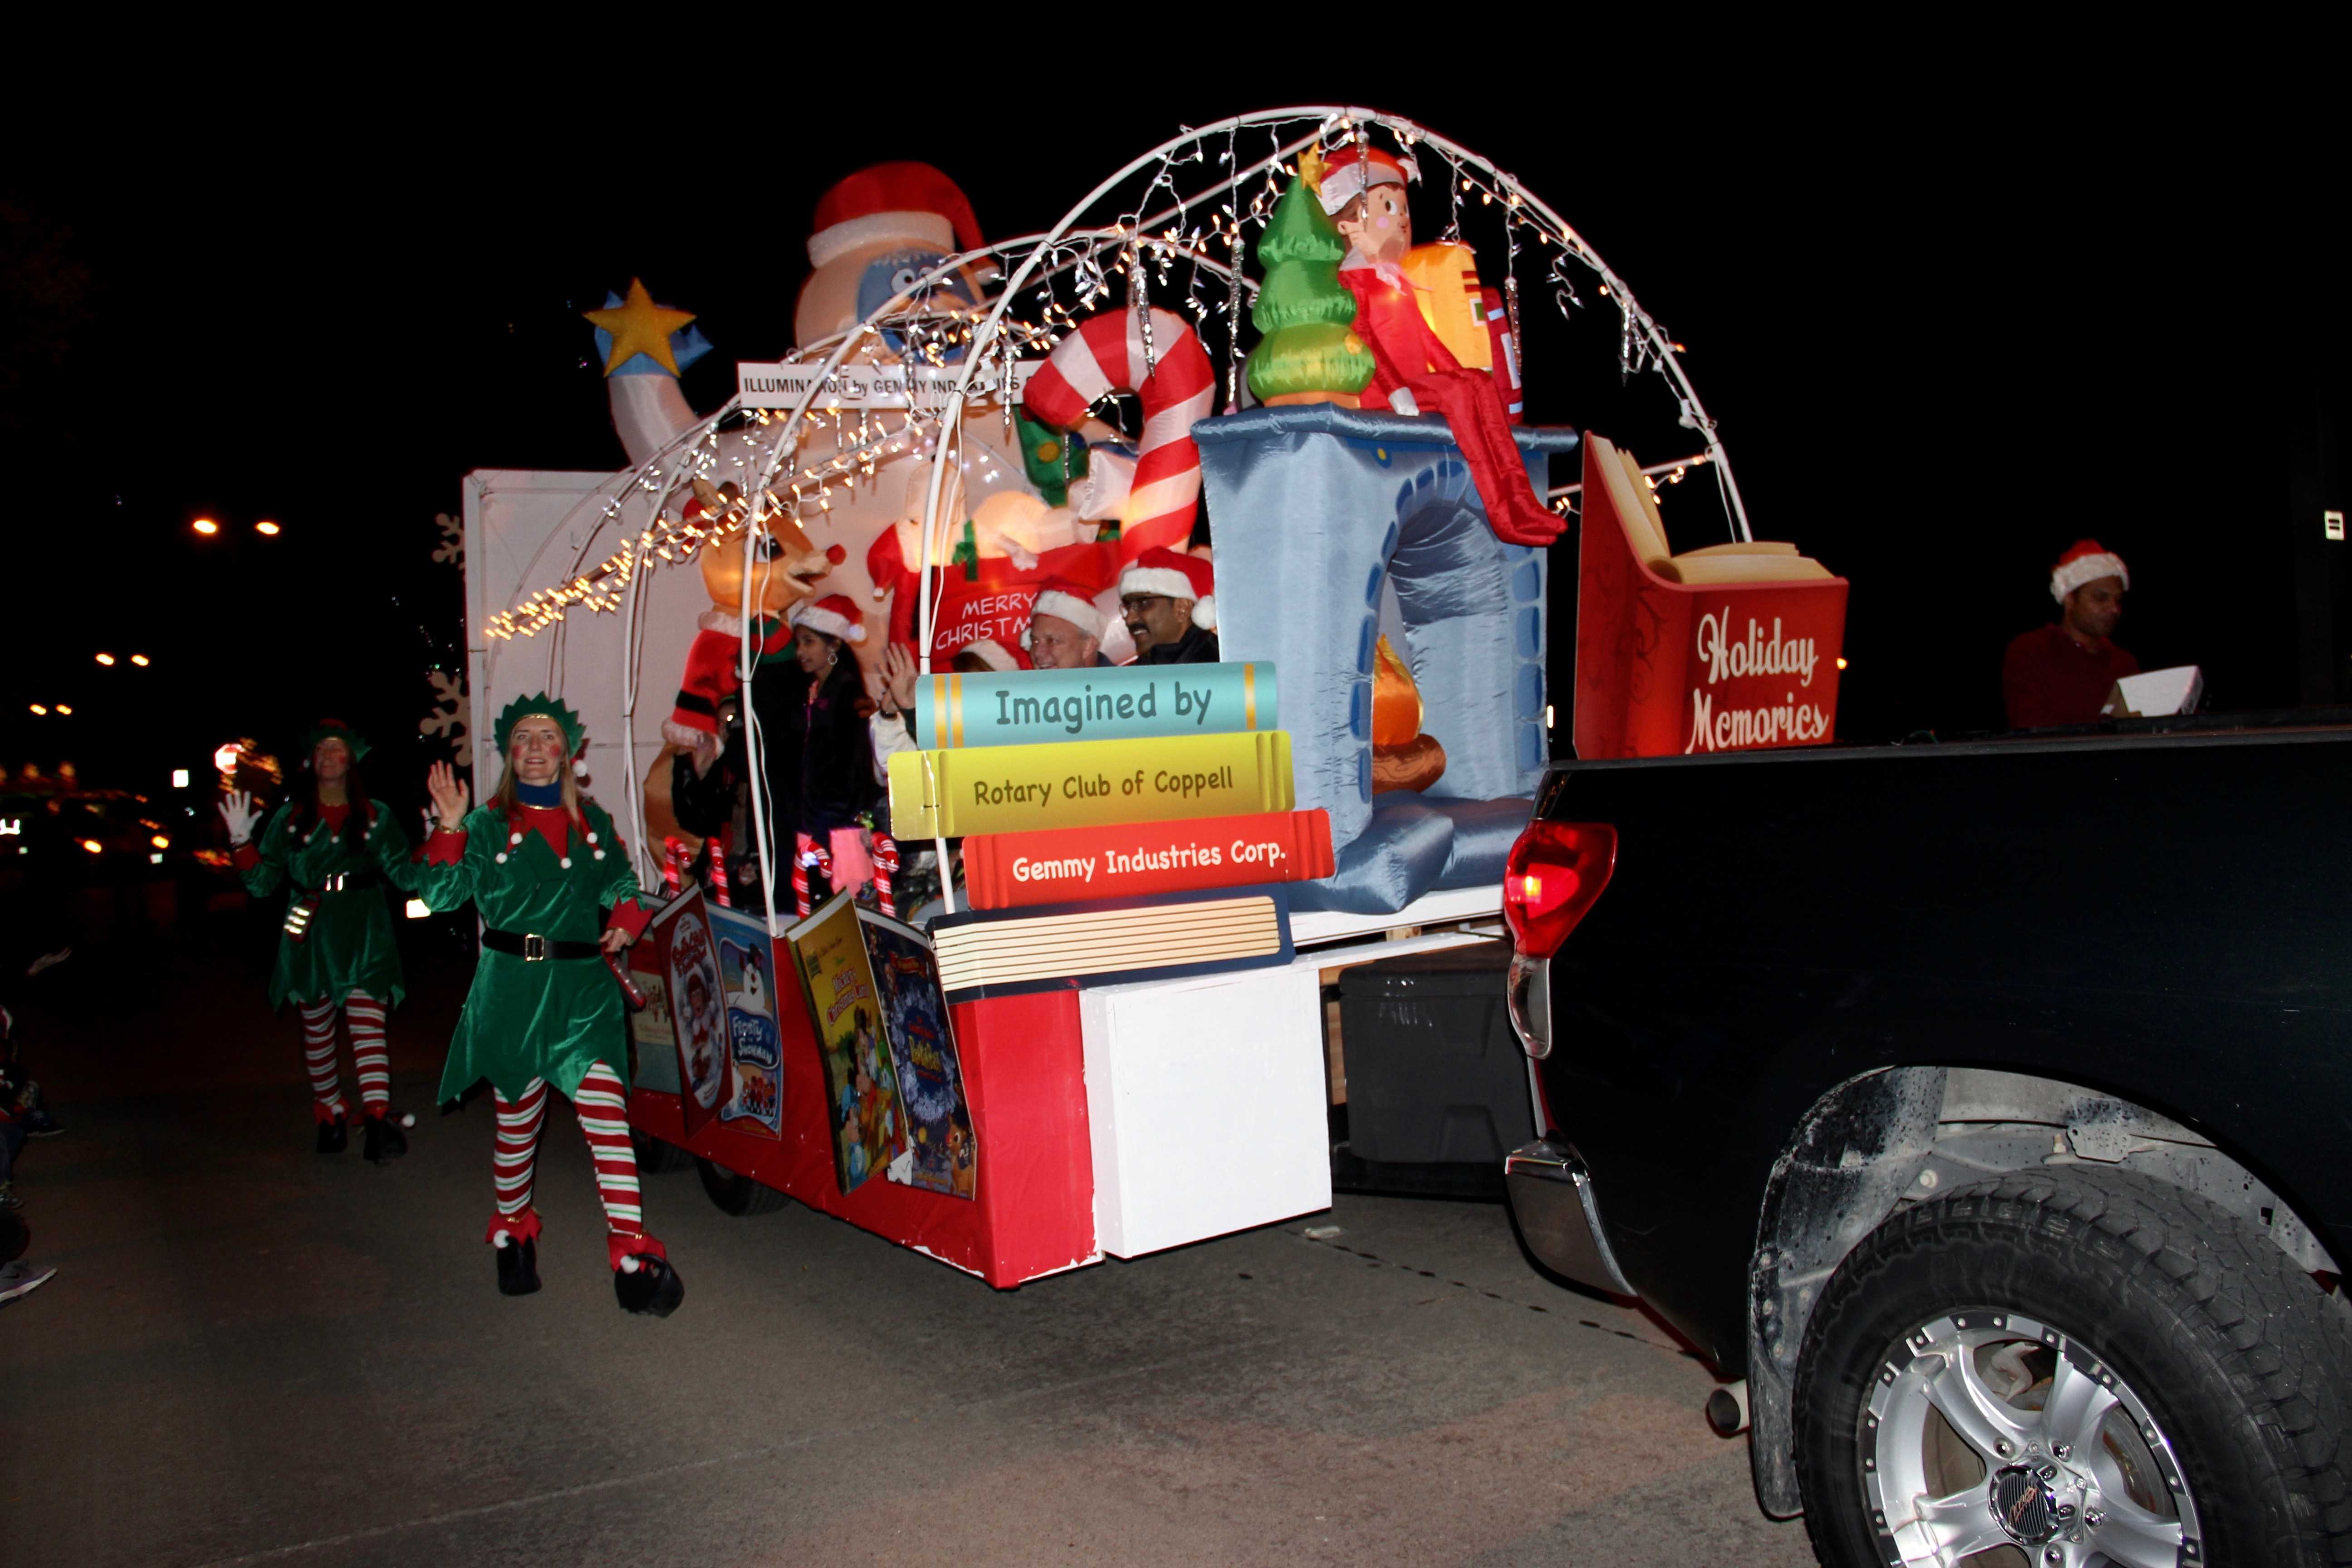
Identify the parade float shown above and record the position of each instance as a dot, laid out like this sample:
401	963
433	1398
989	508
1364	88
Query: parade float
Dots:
1108	1038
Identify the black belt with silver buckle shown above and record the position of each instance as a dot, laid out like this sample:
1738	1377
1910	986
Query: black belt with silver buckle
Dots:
534	948
343	881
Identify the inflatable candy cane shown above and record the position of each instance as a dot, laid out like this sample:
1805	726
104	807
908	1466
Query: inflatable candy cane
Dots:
1179	386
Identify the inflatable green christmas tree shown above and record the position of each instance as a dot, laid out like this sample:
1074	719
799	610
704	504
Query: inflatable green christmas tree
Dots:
1311	352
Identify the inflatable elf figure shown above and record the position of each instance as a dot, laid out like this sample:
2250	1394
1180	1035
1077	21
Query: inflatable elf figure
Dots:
335	849
553	884
1363	191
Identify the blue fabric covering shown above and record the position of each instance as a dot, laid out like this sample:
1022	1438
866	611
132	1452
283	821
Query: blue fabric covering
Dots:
1414	845
1328	505
1483	832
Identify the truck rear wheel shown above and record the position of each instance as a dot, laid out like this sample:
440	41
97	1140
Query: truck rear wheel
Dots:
2073	1367
737	1194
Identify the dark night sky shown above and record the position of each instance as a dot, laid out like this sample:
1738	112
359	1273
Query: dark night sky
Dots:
1945	331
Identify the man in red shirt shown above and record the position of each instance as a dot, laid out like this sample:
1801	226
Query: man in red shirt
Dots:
2061	674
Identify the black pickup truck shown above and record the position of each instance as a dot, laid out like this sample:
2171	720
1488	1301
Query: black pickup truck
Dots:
1985	1110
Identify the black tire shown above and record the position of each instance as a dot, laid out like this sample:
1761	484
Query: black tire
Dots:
2238	1356
738	1195
658	1156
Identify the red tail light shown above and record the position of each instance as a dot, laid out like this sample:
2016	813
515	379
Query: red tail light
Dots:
1557	870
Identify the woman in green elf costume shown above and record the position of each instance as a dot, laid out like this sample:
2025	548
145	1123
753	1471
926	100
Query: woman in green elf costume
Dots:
336	849
543	865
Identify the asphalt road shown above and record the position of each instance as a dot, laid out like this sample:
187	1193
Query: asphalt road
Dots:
255	1354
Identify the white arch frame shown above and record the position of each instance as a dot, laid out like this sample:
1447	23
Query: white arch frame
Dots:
1066	245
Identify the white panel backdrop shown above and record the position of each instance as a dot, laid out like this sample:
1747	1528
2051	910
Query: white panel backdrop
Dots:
525	530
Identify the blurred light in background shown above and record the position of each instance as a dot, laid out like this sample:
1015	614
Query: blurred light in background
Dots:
179	778
106	658
265	527
139	659
205	525
417	910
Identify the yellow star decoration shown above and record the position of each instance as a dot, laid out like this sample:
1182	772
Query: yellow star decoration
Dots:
640	327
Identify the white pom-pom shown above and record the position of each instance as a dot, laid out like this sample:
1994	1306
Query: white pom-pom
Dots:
579	767
514	838
565	862
501	857
591	838
600	854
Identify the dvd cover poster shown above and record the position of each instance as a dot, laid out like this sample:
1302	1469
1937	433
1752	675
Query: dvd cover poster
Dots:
946	1155
696	1007
754	1045
861	1080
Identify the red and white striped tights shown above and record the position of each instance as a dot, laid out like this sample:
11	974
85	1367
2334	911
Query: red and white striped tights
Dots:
601	1103
364	1013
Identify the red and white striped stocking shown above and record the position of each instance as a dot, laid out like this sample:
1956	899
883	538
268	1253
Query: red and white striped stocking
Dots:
319	1055
368	1057
517	1155
603	1102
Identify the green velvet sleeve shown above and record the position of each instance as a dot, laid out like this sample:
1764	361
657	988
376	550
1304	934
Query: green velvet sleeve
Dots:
391	846
262	878
452	885
621	876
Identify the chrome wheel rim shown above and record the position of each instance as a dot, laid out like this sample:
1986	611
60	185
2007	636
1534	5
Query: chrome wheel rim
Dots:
1992	1440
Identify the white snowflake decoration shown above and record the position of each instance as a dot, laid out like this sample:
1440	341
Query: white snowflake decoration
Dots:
452	547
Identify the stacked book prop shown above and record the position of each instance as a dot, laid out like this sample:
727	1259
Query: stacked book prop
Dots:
1119	822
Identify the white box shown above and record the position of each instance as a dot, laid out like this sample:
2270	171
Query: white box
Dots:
1208	1105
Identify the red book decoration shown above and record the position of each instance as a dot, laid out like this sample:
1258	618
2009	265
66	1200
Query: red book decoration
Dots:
1728	648
1067	865
675	963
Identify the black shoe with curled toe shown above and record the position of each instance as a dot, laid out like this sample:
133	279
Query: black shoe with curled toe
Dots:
386	1141
653	1287
334	1136
517	1267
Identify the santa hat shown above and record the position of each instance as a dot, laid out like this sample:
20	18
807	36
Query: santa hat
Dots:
1178	576
1065	599
834	616
913	202
886	559
2086	562
1349	170
992	653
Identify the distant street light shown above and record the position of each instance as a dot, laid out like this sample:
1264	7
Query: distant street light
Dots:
62	708
179	778
205	525
265	527
160	842
106	658
91	844
40	711
139	659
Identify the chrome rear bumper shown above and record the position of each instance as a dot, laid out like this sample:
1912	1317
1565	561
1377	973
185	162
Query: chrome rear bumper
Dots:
1551	1193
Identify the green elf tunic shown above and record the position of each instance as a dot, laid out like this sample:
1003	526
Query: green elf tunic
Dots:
550	1018
348	946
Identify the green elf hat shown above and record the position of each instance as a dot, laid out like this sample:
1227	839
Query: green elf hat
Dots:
543	706
332	730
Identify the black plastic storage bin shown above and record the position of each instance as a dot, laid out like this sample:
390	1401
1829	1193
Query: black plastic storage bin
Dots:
1437	1085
